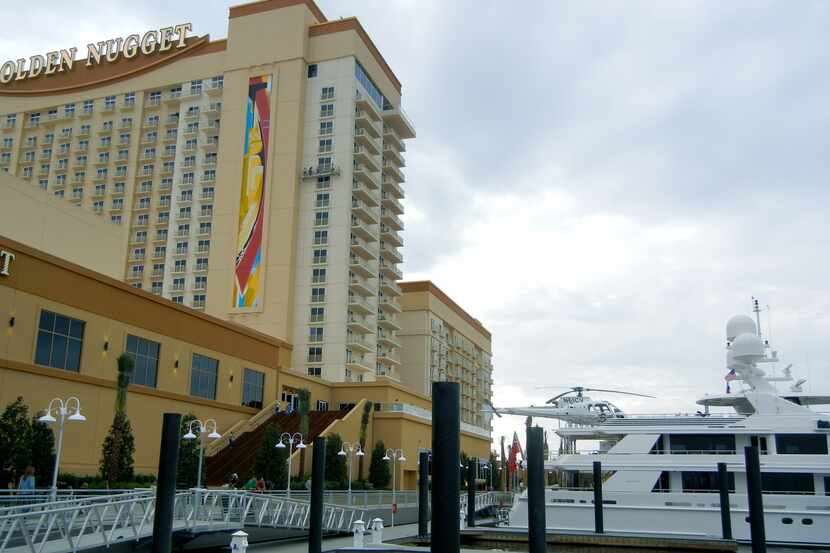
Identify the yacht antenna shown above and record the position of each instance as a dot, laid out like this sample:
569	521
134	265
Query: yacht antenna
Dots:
757	310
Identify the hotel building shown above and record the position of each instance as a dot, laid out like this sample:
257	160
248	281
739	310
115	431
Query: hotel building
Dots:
442	342
238	200
257	178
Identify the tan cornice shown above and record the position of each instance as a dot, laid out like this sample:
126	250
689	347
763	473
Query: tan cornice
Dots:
269	5
429	286
352	24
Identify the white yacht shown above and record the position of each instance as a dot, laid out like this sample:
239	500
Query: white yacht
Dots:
660	471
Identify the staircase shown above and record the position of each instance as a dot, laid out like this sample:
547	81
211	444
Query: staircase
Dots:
239	457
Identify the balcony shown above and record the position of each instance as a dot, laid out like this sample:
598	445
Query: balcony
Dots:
201	267
211	128
181	252
391	203
390	236
151	124
185	199
360	267
87	112
386	339
396	118
362	174
393	188
366	104
30	124
170	137
390	287
105	129
8	125
128	105
211	144
360	325
391	171
159	253
138	240
354	363
153	102
391	154
362	287
390	219
364	121
387	357
363	157
142	206
361	249
192	114
359	305
171	121
362	138
390	271
363	211
359	344
392	254
125	125
388	320
213	109
178	269
141	222
173	97
214	88
362	193
363	231
177	286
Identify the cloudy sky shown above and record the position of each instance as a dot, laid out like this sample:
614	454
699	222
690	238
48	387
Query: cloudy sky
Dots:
602	184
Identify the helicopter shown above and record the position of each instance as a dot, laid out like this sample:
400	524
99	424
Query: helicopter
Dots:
578	409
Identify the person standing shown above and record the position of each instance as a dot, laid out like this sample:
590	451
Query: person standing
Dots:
27	481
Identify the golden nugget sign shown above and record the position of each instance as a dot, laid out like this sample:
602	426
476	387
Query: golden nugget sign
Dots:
6	259
162	40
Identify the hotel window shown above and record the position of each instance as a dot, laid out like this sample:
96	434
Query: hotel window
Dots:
326	127
184	213
327	93
29	156
43	183
129	99
44	169
322	405
177	299
315	354
203	246
69	110
5	157
63	164
48	138
138	253
156	288
322	200
176	91
164	217
109	102
155	98
318	314
8	142
209	176
253	387
143	219
320	256
315	371
318	276
217	82
31	141
181	248
158	268
200	283
138	271
11	120
124	138
178	283
180	266
312	70
183	230
89	105
203	374
147	170
198	300
52	114
104	157
324	164
201	263
326	110
98	206
205	228
59	341
161	234
321	237
196	87
149	153
144	203
321	218
160	251
34	118
119	187
315	334
106	142
145	355
126	123
325	146
115	219
27	172
59	193
318	295
206	211
102	173
186	196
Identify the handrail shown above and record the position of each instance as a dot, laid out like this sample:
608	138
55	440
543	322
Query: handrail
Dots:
241	427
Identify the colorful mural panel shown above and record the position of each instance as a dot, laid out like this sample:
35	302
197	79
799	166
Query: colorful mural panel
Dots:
248	269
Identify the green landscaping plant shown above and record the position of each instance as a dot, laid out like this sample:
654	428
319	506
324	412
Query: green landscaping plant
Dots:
364	425
119	445
379	473
335	464
271	462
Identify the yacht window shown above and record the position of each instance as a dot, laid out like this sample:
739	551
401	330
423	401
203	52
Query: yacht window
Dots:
702	443
787	482
700	481
760	442
806	521
787	520
803	444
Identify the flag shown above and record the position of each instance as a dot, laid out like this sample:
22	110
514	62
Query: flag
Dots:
731	375
515	450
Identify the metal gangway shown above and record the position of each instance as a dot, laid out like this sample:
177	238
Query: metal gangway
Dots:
78	523
488	499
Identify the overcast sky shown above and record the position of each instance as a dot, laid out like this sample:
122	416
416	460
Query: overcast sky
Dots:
602	184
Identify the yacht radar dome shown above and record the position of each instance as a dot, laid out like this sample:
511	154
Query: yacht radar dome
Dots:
748	348
740	324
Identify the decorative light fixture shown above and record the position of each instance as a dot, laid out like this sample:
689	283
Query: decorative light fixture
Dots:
11	322
61	408
106	345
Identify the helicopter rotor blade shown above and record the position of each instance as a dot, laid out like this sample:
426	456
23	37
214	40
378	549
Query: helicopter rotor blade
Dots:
554	398
490	405
618	392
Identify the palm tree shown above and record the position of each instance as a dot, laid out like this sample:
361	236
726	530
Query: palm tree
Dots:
303	396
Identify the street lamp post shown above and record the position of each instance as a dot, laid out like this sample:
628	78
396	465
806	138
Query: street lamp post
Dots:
298	438
358	452
61	408
203	428
394	455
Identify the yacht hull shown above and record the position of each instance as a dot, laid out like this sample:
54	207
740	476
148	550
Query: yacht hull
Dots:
788	520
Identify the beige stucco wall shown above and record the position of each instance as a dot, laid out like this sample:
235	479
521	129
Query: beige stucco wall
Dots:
53	225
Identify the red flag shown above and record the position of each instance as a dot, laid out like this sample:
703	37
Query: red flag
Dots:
515	451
